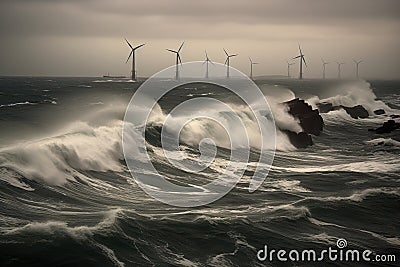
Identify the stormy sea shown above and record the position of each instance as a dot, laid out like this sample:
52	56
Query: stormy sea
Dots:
68	199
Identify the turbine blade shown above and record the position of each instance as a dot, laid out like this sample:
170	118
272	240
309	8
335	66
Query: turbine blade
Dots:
179	58
226	53
172	51
180	47
304	60
234	55
296	57
226	60
139	46
205	51
130	54
128	44
300	50
250	60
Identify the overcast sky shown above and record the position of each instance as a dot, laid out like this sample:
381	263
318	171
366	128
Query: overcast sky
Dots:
85	37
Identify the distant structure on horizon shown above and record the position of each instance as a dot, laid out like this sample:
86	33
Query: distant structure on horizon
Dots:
251	67
324	68
207	61
339	69
178	60
288	68
132	54
357	66
227	62
302	59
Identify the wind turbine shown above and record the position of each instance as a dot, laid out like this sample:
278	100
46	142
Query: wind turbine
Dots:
357	65
207	61
288	68
324	67
339	68
132	54
301	56
251	67
178	60
227	61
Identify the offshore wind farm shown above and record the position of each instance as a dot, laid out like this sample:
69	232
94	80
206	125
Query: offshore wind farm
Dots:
178	60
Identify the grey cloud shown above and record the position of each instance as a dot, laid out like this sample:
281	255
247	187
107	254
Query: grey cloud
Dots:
41	33
102	18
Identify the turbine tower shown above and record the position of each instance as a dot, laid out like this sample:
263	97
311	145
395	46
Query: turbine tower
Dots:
207	61
251	67
301	56
132	54
288	68
324	67
339	69
357	65
178	60
227	61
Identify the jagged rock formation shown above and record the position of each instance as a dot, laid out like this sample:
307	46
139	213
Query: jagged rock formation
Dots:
387	127
310	121
355	112
379	112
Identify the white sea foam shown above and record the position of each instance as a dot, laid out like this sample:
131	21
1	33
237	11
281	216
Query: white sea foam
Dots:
366	166
55	159
62	228
17	104
354	93
384	141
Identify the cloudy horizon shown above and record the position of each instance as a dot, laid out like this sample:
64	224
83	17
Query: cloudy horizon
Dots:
86	38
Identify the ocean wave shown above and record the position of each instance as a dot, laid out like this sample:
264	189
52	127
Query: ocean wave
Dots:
57	159
18	104
370	166
358	196
355	93
81	233
62	228
384	141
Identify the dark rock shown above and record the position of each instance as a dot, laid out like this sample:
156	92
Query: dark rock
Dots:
299	140
387	127
356	112
325	107
395	116
379	112
310	120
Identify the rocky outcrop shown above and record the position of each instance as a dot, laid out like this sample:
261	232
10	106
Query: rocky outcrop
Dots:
379	112
310	121
355	112
387	127
390	130
299	140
